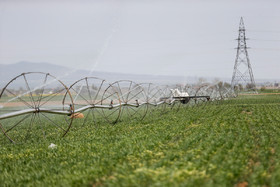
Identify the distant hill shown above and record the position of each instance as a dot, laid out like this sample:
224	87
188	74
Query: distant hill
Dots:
8	71
68	76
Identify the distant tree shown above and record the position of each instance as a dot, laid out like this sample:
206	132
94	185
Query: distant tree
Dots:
179	86
216	80
38	91
250	86
201	80
227	85
263	88
58	89
240	87
220	84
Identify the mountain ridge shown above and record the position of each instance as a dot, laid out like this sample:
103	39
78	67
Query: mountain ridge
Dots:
68	75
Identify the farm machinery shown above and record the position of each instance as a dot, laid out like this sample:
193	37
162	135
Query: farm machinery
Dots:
37	104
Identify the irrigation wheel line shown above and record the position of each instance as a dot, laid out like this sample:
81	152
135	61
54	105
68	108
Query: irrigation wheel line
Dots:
94	101
36	110
200	97
166	100
153	94
113	113
133	99
183	102
36	104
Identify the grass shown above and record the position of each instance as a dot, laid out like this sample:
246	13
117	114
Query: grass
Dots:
269	91
225	144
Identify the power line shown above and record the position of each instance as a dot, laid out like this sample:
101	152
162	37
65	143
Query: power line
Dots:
270	31
267	49
264	40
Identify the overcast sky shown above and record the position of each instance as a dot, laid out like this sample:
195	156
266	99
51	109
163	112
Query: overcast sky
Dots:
161	37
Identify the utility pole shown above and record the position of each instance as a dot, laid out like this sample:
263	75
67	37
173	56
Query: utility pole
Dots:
242	73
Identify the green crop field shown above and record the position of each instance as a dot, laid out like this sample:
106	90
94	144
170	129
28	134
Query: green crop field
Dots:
234	142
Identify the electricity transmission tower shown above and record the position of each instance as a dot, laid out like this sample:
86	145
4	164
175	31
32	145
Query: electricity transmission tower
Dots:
242	73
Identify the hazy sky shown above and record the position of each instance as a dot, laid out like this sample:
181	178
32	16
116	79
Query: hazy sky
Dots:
162	37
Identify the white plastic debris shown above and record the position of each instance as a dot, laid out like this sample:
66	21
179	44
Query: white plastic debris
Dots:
1	106
52	146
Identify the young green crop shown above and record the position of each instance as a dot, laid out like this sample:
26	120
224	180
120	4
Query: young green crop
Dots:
224	143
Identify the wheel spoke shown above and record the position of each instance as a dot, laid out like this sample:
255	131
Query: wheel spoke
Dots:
30	126
51	96
111	113
17	123
120	90
44	83
134	96
88	91
25	102
106	98
84	122
98	91
79	94
52	122
93	116
30	92
127	109
129	92
97	110
41	125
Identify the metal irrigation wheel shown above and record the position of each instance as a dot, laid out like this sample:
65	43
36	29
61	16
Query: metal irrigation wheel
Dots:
224	91
201	95
32	107
212	91
91	104
166	99
153	97
133	99
191	90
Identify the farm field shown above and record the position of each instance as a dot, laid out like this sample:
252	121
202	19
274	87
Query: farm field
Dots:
234	142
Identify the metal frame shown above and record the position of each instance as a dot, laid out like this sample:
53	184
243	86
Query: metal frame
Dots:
112	102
